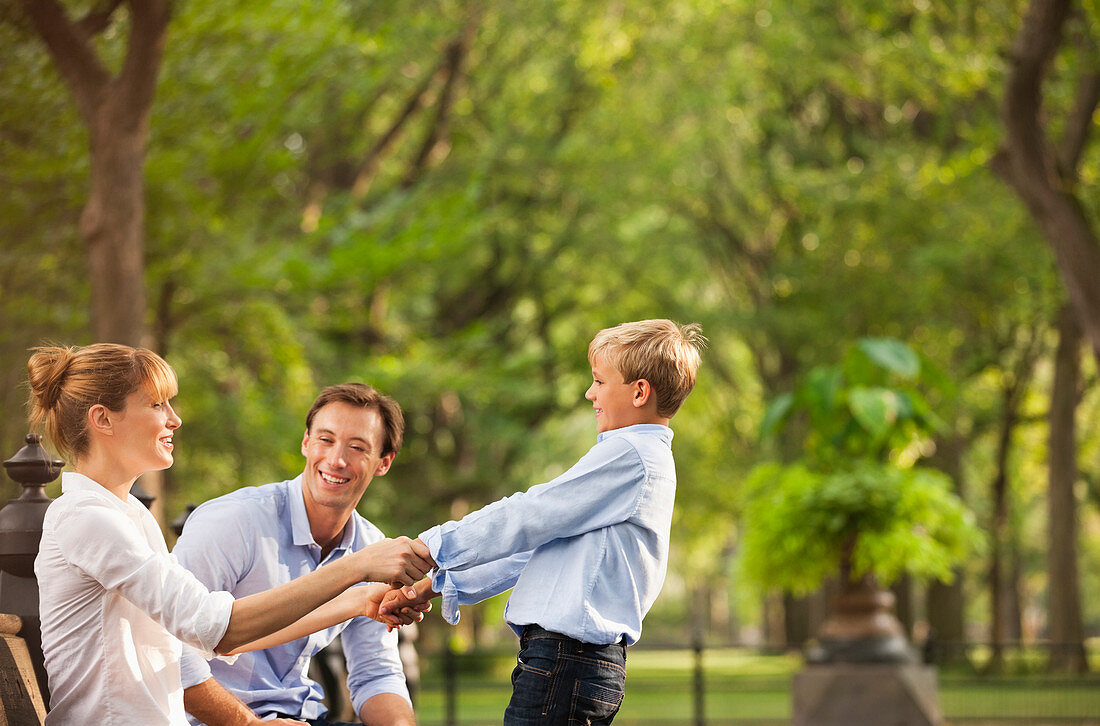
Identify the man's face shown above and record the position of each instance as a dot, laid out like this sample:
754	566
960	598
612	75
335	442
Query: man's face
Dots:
343	451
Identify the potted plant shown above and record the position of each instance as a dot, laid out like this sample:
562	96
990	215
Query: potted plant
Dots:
855	503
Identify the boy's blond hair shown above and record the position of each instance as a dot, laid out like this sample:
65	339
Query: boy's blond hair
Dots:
660	351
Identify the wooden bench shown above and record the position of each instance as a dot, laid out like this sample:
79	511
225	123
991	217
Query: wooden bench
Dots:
20	699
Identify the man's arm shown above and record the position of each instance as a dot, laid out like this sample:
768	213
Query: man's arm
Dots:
212	704
387	709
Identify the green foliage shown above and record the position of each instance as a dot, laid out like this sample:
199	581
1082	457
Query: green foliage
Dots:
853	500
792	176
865	408
799	522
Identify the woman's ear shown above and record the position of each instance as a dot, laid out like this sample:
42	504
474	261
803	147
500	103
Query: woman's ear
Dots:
643	392
99	419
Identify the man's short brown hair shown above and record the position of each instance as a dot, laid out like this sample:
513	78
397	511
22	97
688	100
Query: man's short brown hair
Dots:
364	396
660	351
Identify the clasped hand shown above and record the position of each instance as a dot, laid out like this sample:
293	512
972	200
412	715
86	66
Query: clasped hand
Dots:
398	561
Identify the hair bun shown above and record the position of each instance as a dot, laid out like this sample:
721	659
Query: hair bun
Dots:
47	369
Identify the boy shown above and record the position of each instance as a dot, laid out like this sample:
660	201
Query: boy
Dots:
585	553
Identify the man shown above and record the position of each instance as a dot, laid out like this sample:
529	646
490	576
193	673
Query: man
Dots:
259	537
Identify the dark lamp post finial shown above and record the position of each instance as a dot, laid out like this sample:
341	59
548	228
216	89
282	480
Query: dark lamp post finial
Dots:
21	520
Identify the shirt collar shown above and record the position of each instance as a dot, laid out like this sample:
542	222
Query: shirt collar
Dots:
662	432
72	481
299	520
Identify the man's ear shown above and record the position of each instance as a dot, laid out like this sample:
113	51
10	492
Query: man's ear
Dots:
642	391
305	442
385	464
99	420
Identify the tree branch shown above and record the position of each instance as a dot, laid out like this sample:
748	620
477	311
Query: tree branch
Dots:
373	160
455	55
1032	50
138	78
79	65
98	18
1079	124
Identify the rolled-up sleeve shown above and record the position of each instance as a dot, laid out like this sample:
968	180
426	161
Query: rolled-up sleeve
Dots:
194	668
121	561
374	665
473	584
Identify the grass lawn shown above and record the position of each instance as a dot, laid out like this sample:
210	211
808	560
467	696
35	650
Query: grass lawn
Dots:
744	687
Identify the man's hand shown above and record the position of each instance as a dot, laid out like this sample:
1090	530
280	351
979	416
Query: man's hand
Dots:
400	561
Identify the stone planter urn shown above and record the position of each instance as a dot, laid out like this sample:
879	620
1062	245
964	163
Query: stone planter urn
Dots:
861	668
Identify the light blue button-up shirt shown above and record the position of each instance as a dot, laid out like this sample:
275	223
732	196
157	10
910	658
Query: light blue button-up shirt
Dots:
584	554
257	538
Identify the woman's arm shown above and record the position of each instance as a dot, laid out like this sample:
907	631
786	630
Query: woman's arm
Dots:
399	561
351	603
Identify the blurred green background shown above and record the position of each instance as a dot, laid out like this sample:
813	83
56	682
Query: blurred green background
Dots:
447	199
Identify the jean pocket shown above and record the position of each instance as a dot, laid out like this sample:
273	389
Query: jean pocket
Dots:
530	665
532	691
593	703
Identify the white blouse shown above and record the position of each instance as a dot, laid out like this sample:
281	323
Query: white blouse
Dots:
115	606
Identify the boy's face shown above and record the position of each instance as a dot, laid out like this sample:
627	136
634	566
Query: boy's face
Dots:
612	397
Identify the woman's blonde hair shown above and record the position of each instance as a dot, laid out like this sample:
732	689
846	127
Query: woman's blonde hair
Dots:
660	351
66	382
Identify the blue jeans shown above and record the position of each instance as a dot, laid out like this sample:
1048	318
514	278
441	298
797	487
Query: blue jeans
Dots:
562	681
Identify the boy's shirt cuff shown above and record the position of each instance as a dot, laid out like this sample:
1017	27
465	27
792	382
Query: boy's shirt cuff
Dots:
448	595
441	579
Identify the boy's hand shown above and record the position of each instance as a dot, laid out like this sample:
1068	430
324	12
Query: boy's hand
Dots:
404	602
372	596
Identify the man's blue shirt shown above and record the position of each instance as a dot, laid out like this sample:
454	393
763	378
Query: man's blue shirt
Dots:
257	538
585	554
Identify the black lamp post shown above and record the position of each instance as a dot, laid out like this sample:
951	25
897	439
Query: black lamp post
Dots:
20	534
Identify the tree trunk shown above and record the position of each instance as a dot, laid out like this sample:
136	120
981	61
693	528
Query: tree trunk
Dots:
804	616
945	620
116	110
1014	590
945	603
1067	632
112	226
1043	177
999	533
903	604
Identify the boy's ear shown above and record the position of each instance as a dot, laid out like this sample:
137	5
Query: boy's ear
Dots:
643	392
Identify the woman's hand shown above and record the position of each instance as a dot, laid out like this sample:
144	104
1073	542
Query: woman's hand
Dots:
366	601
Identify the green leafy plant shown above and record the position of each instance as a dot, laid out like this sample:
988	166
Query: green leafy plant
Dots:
855	502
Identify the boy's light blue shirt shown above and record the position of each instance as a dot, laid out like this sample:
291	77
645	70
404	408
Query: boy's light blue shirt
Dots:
585	553
256	538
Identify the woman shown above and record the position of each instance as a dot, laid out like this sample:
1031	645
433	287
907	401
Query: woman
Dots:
115	605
